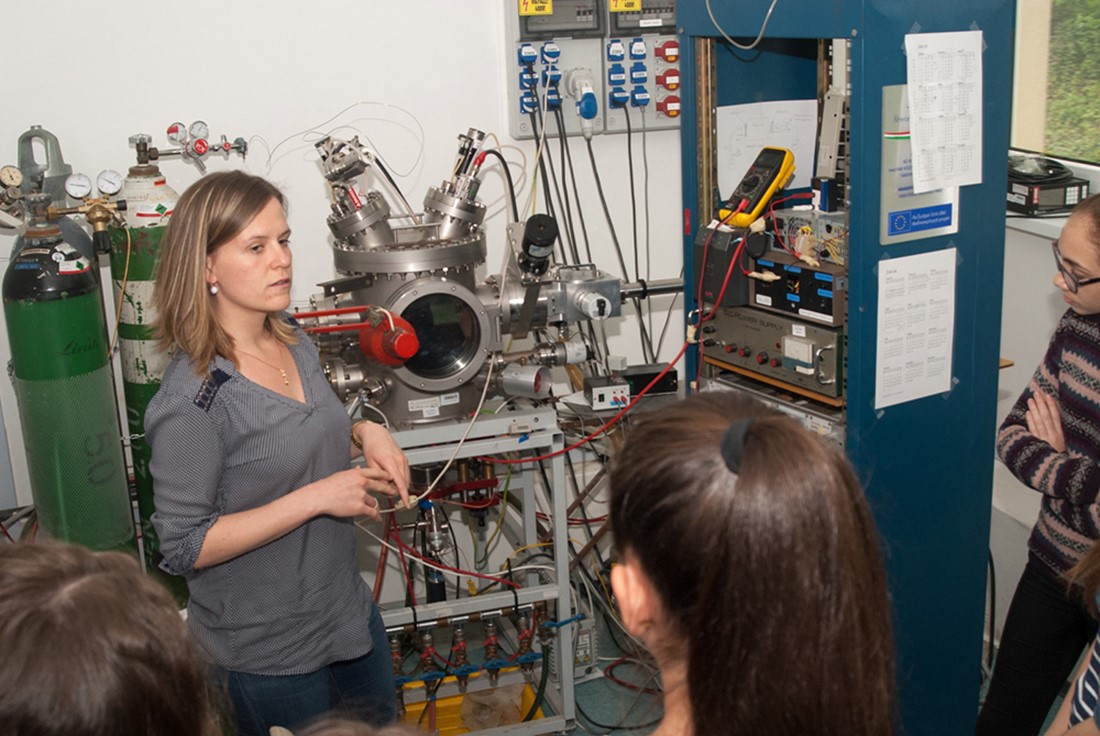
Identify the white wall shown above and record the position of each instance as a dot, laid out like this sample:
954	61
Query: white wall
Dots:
95	74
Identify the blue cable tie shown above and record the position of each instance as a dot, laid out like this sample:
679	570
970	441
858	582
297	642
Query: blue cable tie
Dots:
564	622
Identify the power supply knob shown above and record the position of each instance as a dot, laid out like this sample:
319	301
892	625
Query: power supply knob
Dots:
744	352
761	358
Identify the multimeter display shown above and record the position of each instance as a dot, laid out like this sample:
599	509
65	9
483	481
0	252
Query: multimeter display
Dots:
770	172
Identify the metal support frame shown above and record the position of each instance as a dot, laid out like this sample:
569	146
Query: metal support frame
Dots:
513	430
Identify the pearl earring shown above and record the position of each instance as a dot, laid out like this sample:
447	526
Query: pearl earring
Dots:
213	289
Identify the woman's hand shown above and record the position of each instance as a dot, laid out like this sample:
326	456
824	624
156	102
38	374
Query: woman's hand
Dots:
348	493
344	494
1044	420
380	451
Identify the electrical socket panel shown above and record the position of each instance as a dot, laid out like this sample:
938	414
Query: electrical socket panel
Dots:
642	74
629	61
541	70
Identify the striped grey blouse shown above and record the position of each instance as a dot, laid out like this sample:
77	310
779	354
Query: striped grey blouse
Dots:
226	444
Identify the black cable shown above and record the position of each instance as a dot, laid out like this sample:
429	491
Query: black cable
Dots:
633	194
647	344
668	315
458	578
580	507
606	211
396	189
992	607
605	606
577	199
594	343
547	650
560	119
634	225
569	239
645	209
569	231
1037	216
546	190
490	585
620	727
508	178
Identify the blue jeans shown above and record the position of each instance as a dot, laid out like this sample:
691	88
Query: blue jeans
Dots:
361	688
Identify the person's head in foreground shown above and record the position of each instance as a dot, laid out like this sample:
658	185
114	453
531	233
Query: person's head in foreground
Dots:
750	567
94	647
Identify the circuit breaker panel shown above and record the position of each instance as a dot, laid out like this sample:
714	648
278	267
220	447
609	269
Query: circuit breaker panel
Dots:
593	68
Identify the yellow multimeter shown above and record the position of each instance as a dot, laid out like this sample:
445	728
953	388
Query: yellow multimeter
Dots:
771	171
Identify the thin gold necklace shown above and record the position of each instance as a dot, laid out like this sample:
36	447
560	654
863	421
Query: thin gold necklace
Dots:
286	380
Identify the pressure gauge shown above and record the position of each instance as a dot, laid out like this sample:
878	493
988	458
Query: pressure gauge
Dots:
199	129
109	182
78	186
11	176
177	133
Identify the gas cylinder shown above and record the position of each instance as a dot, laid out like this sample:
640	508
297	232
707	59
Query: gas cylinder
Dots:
49	177
65	391
46	176
134	252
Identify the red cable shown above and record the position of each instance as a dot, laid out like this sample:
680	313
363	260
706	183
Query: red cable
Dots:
443	659
401	545
529	633
771	214
702	273
706	248
629	685
380	574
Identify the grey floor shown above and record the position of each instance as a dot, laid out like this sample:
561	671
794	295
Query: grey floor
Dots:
607	707
603	704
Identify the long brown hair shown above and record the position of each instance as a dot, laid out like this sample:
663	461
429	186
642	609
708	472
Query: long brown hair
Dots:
772	578
93	646
212	211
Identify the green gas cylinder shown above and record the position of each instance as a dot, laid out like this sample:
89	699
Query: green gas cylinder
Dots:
65	392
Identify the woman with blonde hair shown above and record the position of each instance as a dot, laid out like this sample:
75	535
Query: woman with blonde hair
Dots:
251	459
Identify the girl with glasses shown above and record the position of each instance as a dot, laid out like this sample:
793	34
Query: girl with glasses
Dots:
1050	441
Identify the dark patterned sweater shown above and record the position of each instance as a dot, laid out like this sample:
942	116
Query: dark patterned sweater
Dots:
1069	519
